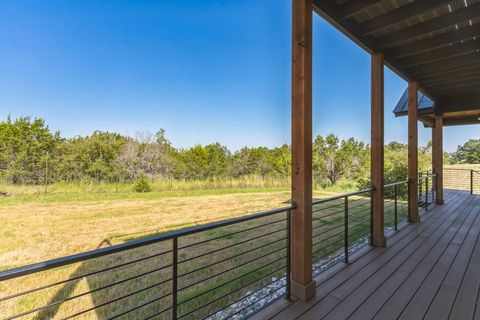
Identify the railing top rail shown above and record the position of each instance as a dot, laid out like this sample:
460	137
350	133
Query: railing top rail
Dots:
396	184
59	262
342	196
427	176
460	169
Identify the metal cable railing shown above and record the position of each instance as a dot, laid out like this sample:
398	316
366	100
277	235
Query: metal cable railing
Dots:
426	189
232	267
395	205
340	225
458	179
475	182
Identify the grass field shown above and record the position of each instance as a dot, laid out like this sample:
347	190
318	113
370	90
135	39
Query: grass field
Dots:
36	226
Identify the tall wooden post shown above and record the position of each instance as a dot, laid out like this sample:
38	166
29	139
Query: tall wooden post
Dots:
302	286
377	149
413	150
437	157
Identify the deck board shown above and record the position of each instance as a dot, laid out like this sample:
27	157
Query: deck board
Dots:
431	272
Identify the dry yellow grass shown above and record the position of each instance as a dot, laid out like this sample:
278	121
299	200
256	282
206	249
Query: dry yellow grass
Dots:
34	231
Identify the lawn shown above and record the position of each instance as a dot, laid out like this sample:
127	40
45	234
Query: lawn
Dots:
37	226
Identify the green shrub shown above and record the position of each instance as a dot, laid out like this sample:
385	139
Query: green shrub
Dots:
142	184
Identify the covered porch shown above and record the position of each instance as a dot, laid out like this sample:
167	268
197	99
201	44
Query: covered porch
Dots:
434	46
429	270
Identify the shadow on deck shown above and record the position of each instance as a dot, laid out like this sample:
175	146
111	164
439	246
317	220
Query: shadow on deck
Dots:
427	271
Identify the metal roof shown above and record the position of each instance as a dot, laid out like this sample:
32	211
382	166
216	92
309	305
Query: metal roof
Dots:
425	104
433	42
426	112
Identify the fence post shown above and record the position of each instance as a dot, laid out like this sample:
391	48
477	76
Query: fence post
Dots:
409	199
289	244
434	187
420	189
346	229
471	181
396	208
175	278
426	193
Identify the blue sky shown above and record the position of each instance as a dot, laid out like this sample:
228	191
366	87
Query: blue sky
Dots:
205	71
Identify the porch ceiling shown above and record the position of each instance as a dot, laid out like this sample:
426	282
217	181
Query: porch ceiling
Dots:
435	43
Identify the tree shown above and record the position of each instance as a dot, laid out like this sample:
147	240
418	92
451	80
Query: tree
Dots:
146	154
24	144
252	161
468	152
93	157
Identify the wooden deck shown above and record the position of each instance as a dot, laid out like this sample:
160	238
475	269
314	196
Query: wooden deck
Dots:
427	271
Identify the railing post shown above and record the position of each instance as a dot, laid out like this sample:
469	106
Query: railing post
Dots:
471	181
409	199
434	187
426	193
346	229
289	258
175	278
371	218
396	208
420	185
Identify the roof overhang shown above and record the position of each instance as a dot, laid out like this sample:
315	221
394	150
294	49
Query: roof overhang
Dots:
434	42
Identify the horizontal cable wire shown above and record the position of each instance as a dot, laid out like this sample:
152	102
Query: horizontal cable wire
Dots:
231	269
80	277
243	275
117	299
231	292
91	291
232	257
231	234
231	246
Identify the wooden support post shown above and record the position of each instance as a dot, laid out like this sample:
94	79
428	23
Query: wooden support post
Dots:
302	286
413	150
437	156
377	149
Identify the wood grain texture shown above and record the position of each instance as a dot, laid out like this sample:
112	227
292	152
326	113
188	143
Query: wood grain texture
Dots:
302	141
413	149
377	150
437	157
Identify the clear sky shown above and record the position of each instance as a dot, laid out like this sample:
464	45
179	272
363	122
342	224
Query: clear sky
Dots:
204	70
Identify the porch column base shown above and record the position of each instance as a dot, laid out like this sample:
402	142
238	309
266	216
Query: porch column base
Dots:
439	201
379	241
303	292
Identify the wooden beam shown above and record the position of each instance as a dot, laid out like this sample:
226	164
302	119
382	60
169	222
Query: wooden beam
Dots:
442	91
397	15
456	104
444	65
437	157
462	72
456	50
438	23
413	150
437	41
303	287
358	6
454	79
377	150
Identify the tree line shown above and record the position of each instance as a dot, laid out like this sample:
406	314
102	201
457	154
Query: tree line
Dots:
30	153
